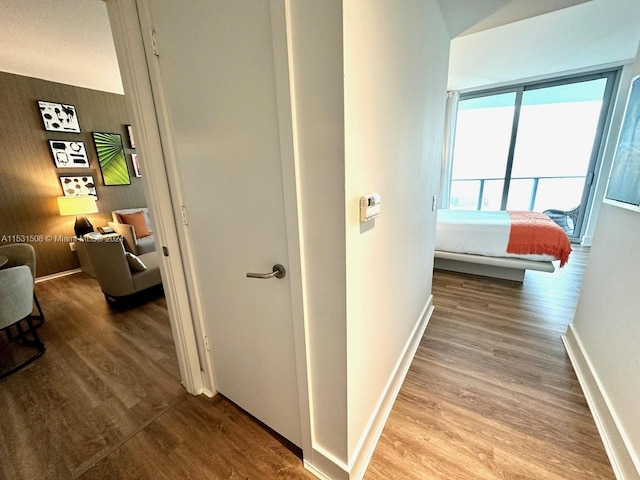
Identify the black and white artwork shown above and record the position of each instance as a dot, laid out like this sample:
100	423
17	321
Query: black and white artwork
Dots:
58	117
78	186
69	154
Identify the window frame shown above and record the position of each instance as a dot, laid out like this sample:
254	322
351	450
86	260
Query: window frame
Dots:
613	78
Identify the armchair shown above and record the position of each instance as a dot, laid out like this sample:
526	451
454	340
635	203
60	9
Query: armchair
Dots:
16	305
566	219
135	242
24	254
113	270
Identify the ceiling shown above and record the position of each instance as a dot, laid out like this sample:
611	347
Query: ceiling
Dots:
494	41
470	16
584	37
65	41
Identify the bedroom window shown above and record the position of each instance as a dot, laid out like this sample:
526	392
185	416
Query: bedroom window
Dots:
530	147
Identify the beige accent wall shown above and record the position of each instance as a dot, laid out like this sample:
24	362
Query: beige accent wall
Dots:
29	180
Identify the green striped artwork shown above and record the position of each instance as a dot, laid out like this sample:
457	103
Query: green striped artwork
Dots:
113	163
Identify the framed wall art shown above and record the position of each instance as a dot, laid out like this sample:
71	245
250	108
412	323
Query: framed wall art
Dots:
132	140
77	186
69	154
59	117
136	164
113	163
624	183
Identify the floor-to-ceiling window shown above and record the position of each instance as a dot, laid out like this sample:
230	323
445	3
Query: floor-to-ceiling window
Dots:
530	147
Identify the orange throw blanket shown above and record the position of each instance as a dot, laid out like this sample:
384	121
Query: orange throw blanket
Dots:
535	233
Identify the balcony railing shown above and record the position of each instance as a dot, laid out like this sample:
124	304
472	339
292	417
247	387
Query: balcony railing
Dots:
558	192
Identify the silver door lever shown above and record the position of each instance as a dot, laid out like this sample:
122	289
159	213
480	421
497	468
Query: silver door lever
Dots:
278	272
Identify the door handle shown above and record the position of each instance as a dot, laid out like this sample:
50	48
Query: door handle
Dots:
278	272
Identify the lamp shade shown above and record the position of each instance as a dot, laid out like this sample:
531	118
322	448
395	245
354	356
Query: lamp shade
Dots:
77	205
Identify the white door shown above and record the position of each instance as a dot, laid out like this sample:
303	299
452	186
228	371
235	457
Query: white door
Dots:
216	63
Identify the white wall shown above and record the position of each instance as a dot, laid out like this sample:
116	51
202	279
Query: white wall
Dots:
395	67
607	320
368	116
627	74
318	105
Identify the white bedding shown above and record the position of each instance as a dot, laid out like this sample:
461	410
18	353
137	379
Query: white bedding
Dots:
478	233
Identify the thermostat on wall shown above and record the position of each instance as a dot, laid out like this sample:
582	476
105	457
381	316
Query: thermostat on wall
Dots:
369	206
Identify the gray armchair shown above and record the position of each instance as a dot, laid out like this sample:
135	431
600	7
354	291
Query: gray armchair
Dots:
24	254
566	219
16	305
114	272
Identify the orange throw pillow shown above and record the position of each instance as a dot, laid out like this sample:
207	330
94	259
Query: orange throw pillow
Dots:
137	221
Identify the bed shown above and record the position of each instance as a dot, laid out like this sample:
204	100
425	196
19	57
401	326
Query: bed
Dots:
499	244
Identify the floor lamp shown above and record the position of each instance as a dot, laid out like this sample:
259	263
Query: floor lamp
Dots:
79	206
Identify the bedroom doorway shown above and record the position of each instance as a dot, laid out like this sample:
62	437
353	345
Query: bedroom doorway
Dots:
531	147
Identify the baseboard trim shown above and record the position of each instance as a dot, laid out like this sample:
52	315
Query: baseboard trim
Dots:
320	474
625	465
322	464
325	466
208	393
58	275
366	446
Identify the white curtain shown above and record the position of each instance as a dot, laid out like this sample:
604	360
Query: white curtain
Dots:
451	114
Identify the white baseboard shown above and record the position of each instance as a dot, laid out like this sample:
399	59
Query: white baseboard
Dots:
315	471
367	444
325	466
623	461
322	465
58	275
208	393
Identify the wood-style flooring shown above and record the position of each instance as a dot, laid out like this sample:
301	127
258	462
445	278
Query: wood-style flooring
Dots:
490	395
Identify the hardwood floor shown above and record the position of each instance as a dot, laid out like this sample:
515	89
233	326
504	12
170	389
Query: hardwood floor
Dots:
105	375
105	402
490	395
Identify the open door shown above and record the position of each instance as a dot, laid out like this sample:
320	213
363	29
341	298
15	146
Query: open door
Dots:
217	86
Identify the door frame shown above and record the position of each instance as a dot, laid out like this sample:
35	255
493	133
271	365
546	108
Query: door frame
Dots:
163	193
132	24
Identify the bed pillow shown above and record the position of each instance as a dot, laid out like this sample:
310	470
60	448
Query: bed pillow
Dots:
135	264
137	221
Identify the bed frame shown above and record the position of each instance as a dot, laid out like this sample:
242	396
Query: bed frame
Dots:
495	267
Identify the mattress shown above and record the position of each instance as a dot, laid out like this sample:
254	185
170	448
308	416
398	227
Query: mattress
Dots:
478	233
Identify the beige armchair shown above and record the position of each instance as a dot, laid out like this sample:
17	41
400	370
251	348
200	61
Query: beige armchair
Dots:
134	242
119	276
24	254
